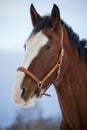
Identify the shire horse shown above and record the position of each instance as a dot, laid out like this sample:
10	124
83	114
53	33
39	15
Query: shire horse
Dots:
54	54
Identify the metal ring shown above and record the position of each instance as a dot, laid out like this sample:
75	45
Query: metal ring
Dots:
39	84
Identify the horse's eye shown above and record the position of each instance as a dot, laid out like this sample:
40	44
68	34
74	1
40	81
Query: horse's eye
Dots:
48	46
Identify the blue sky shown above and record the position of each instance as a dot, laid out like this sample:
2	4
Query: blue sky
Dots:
15	22
15	27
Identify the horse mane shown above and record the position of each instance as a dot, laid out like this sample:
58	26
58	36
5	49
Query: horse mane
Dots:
80	45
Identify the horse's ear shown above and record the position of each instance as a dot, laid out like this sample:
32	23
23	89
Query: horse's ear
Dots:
55	17
35	17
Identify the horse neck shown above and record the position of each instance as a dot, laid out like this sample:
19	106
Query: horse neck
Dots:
73	87
77	67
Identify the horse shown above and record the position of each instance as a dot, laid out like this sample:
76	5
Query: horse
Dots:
54	54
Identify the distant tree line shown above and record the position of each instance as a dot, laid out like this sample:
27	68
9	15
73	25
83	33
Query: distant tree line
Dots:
40	124
32	119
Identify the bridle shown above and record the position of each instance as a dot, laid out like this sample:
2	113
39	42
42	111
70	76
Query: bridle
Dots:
57	66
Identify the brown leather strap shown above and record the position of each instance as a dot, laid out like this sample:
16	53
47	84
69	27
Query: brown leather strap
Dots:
31	75
41	82
28	73
49	73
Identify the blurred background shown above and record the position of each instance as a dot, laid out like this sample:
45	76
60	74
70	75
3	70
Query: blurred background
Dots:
15	27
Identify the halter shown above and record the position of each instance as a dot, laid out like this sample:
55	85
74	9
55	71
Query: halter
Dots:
57	66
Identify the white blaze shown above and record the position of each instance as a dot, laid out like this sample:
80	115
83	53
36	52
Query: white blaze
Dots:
33	47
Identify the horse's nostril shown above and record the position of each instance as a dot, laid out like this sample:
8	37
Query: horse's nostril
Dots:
24	91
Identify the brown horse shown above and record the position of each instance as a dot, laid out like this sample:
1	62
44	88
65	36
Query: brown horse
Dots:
55	55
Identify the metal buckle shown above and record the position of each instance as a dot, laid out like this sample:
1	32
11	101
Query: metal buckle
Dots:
39	84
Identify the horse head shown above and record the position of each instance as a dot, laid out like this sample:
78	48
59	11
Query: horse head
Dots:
43	58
